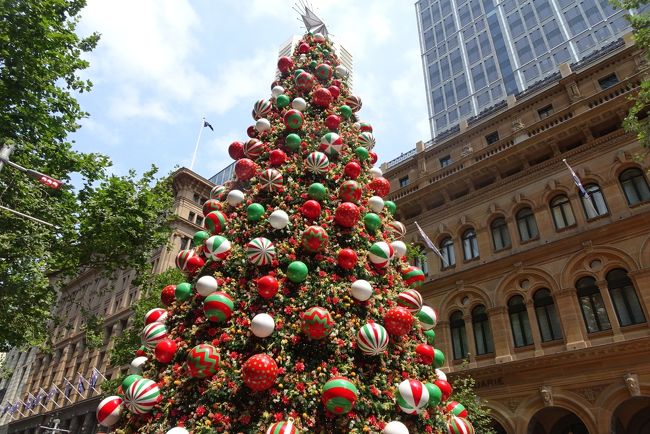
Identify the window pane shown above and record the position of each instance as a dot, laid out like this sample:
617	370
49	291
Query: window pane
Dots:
601	312
626	303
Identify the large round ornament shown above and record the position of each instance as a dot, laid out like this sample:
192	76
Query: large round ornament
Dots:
317	162
217	247
459	425
216	221
168	295
445	388
183	291
381	186
346	214
299	104
137	364
262	125
395	427
390	206
321	97
311	209
211	205
188	261
156	314
314	239
285	64
236	151
353	170
277	157
178	430
293	119
109	410
129	380
142	396
425	354
361	290
396	229
332	122
347	259
324	72
253	149
350	191
317	191
218	306
282	101
440	375
260	251
438	358
271	180
335	91
412	396
365	127
367	140
372	339
411	300
217	191
235	197
292	141
203	361
372	222
245	169
376	203
282	428
430	335
398	321
428	317
399	247
153	333
413	276
165	350
435	394
259	372
297	271
262	108
331	144
361	152
304	81
354	102
254	212
262	325
375	172
317	323
341	71
279	219
380	254
199	237
339	395
267	286
456	408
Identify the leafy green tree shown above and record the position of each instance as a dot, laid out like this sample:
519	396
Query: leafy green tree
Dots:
105	220
465	392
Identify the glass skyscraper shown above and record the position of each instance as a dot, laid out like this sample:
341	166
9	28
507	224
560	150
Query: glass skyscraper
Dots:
476	52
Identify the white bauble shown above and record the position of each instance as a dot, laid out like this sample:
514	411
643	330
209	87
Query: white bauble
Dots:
262	325
357	125
318	37
277	91
235	197
376	203
206	285
441	375
262	125
279	219
178	430
399	248
299	104
341	71
137	364
395	427
361	290
303	57
375	172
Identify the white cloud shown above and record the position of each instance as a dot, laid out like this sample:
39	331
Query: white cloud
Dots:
128	104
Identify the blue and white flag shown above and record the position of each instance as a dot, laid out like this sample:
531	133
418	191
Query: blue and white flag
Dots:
576	180
430	244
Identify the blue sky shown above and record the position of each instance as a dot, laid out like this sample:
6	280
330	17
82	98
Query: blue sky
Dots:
162	64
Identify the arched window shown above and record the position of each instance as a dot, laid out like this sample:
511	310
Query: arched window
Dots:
626	303
500	235
634	186
562	213
470	245
447	251
519	322
594	205
526	224
458	335
592	306
549	325
482	332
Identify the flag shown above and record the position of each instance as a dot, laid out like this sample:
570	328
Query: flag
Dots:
6	409
576	180
68	389
81	388
207	124
430	244
94	377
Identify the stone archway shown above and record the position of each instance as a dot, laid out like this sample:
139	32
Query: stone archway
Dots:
556	420
632	416
497	427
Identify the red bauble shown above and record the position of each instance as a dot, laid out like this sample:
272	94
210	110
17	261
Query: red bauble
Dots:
332	122
267	286
311	209
335	91
347	259
211	205
245	169
251	132
347	214
336	82
259	372
194	263
236	150
277	157
381	186
321	97
303	48
352	169
373	157
165	350
168	295
426	354
140	352
445	388
285	64
398	321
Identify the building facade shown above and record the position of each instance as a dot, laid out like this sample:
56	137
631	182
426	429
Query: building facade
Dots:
476	52
545	293
66	383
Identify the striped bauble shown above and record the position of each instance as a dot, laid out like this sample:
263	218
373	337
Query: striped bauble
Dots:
380	254
218	306
156	314
367	140
413	276
271	180
372	339
216	222
109	410
262	108
217	192
339	395
456	408
142	396
317	162
217	247
260	251
411	300
283	428
412	396
459	425
153	333
396	229
331	144
203	361
428	317
253	148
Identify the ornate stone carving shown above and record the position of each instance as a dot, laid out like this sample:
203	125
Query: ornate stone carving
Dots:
513	404
467	150
574	91
591	394
517	125
632	384
547	395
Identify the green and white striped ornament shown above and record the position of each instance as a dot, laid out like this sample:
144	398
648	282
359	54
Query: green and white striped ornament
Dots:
218	306
411	300
372	339
331	144
367	140
339	395
380	254
153	333
217	247
317	162
216	222
142	396
428	317
413	276
260	251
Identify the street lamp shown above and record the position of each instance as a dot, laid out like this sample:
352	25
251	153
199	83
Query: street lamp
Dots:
55	429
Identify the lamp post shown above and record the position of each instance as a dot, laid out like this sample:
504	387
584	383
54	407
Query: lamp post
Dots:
55	429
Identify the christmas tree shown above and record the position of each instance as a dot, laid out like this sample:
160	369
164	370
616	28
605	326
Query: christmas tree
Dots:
299	314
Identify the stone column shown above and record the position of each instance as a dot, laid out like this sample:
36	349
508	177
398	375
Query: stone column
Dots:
611	313
500	334
443	342
471	342
568	310
87	427
641	281
483	241
534	328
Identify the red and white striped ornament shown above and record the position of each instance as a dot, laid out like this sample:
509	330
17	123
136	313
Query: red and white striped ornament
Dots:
156	314
109	410
412	396
271	180
317	162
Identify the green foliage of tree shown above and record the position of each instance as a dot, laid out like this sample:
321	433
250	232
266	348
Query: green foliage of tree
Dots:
106	220
464	387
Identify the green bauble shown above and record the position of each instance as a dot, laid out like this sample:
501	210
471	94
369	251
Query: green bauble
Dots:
390	206
438	358
200	237
297	72
435	394
361	153
326	52
297	271
345	111
183	291
282	101
129	380
431	336
255	211
292	141
317	191
372	221
313	64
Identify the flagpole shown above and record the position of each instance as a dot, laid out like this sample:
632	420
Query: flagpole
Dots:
198	139
586	195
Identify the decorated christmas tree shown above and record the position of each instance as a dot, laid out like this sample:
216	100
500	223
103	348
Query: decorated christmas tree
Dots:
300	313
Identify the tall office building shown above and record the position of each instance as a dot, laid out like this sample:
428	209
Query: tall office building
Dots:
476	52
